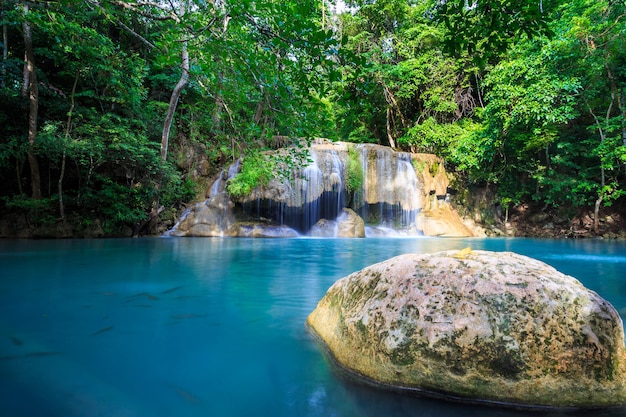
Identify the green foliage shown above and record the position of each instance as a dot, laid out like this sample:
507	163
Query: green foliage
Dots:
38	212
458	143
118	204
256	171
354	171
485	30
106	72
524	96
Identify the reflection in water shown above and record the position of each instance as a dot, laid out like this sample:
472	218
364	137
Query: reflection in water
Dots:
214	327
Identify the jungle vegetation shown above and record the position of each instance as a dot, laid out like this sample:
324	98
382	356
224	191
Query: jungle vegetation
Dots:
116	111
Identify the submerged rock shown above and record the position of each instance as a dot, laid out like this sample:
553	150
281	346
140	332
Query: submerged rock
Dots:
496	327
261	230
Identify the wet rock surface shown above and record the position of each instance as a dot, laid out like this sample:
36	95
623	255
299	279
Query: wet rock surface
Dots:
477	325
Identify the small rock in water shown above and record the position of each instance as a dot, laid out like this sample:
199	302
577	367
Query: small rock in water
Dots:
477	325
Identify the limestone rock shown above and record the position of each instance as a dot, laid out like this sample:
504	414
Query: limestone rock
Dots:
496	327
244	229
430	168
395	188
324	228
350	224
210	218
443	221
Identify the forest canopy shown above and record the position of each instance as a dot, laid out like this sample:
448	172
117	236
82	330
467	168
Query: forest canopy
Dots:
116	111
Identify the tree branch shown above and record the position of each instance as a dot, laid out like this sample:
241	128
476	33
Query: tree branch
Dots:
138	8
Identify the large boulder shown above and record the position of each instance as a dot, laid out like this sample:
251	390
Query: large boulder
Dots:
324	228
477	325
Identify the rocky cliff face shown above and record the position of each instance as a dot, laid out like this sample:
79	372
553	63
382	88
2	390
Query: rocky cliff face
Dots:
478	325
398	194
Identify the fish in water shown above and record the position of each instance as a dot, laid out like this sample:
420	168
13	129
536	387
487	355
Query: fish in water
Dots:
16	341
141	294
103	330
171	290
188	316
186	395
29	355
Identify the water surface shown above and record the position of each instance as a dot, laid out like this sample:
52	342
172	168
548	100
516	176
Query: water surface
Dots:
213	327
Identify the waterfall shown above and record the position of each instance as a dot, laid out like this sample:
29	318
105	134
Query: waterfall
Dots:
214	216
391	195
388	202
226	174
315	192
323	189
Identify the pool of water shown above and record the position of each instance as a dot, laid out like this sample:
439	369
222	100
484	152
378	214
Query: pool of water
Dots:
213	327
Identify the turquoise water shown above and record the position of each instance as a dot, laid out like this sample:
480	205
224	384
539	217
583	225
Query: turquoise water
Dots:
213	327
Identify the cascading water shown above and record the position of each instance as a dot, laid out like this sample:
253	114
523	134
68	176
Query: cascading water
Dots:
315	192
220	183
388	202
212	217
391	195
323	188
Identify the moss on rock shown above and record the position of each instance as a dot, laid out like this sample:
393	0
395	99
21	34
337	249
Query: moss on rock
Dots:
486	326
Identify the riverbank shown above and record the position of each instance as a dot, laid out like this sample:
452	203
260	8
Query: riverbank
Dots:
528	221
523	221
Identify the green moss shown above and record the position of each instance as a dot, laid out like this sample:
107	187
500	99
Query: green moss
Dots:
362	329
354	171
419	166
434	168
402	355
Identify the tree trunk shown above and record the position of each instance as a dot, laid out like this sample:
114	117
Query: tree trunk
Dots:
63	159
31	90
60	188
392	142
18	171
596	215
622	109
184	79
5	51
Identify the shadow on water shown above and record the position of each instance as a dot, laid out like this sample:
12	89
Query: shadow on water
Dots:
375	401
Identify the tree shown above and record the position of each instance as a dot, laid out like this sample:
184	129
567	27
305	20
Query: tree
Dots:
597	41
554	112
225	78
395	73
182	82
486	29
30	90
528	101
